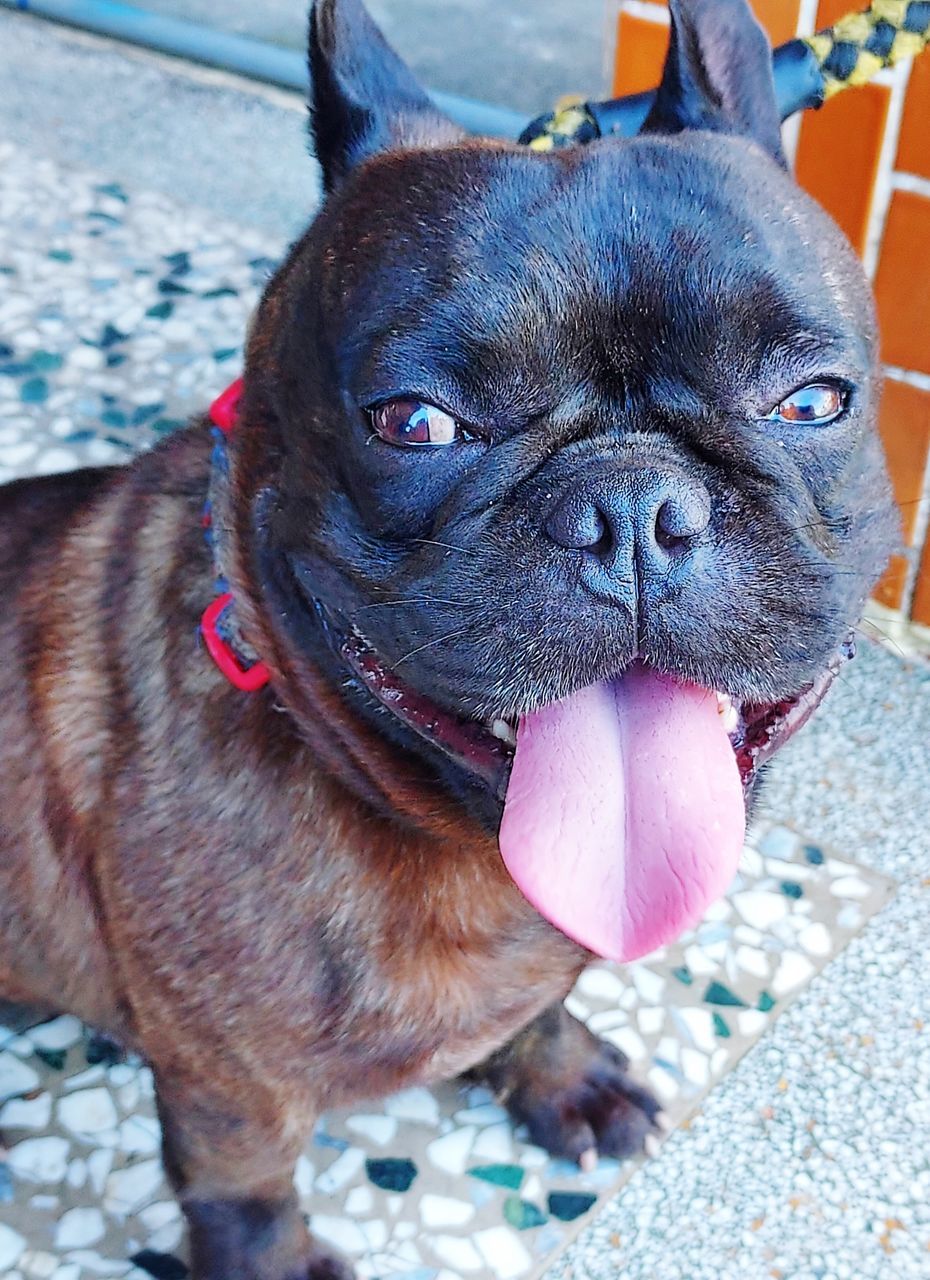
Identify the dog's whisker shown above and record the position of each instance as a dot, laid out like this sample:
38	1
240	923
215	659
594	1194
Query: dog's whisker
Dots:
391	604
885	637
448	546
451	635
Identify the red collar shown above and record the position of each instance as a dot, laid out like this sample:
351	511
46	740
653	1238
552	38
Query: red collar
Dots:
218	626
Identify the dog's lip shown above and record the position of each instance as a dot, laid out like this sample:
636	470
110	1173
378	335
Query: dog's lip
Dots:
763	728
485	749
475	746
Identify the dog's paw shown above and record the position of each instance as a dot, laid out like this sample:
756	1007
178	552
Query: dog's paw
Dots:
573	1092
600	1111
325	1266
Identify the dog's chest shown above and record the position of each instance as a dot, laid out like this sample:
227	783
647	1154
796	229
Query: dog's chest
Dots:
446	975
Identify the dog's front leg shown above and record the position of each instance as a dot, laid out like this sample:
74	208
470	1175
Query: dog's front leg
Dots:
231	1163
571	1090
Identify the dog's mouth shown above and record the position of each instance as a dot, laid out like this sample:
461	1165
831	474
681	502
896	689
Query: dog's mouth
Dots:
756	730
624	803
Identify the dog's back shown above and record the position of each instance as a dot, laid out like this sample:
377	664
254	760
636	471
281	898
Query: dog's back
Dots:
62	560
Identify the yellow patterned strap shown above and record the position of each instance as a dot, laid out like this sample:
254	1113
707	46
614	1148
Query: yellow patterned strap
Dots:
861	44
571	124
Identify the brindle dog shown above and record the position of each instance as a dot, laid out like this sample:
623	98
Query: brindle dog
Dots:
291	899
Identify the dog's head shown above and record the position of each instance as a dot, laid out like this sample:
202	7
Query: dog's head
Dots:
561	445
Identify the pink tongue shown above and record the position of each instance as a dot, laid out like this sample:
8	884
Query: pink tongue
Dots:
624	816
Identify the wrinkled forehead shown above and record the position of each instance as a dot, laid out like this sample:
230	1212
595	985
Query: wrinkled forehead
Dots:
487	254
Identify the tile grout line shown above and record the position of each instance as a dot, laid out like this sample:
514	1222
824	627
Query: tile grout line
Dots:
648	11
791	131
883	187
610	28
911	182
910	376
807	17
921	533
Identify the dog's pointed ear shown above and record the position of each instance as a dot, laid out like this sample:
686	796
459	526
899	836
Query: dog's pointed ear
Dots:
718	75
363	98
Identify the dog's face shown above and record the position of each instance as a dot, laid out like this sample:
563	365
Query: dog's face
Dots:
545	417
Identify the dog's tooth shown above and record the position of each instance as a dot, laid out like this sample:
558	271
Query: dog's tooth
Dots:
502	730
588	1161
651	1145
661	1121
728	712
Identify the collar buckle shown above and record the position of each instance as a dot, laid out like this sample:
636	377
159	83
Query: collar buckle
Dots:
224	410
247	678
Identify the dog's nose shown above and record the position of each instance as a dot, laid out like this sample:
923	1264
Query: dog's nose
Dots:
648	516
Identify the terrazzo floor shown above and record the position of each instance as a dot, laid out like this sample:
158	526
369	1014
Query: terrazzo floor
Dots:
120	313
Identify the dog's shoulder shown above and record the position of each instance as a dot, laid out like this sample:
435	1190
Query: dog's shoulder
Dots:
33	510
38	510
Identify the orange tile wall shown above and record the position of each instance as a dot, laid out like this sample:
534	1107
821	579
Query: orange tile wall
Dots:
839	158
914	142
641	47
902	284
905	428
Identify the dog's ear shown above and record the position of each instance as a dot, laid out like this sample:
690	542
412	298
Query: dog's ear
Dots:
363	99
718	75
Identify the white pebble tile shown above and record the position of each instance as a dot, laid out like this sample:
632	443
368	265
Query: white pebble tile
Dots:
450	1153
418	1105
445	1211
456	1251
79	1228
60	1033
12	1246
627	1041
503	1251
27	1113
341	1171
760	909
494	1145
88	1112
39	1159
339	1232
359	1201
304	1175
380	1130
601	984
815	939
128	1189
793	972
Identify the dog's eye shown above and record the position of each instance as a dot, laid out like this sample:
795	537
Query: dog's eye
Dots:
411	422
816	404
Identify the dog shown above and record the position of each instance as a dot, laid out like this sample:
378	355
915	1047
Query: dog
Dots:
548	506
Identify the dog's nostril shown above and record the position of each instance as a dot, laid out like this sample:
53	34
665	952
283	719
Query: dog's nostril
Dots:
668	529
681	519
605	544
579	525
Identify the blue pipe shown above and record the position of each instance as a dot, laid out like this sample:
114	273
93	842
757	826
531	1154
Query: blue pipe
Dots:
255	59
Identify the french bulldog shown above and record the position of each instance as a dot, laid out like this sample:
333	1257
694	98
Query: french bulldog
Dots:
550	502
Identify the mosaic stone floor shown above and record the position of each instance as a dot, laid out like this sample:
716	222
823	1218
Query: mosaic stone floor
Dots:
118	317
119	314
